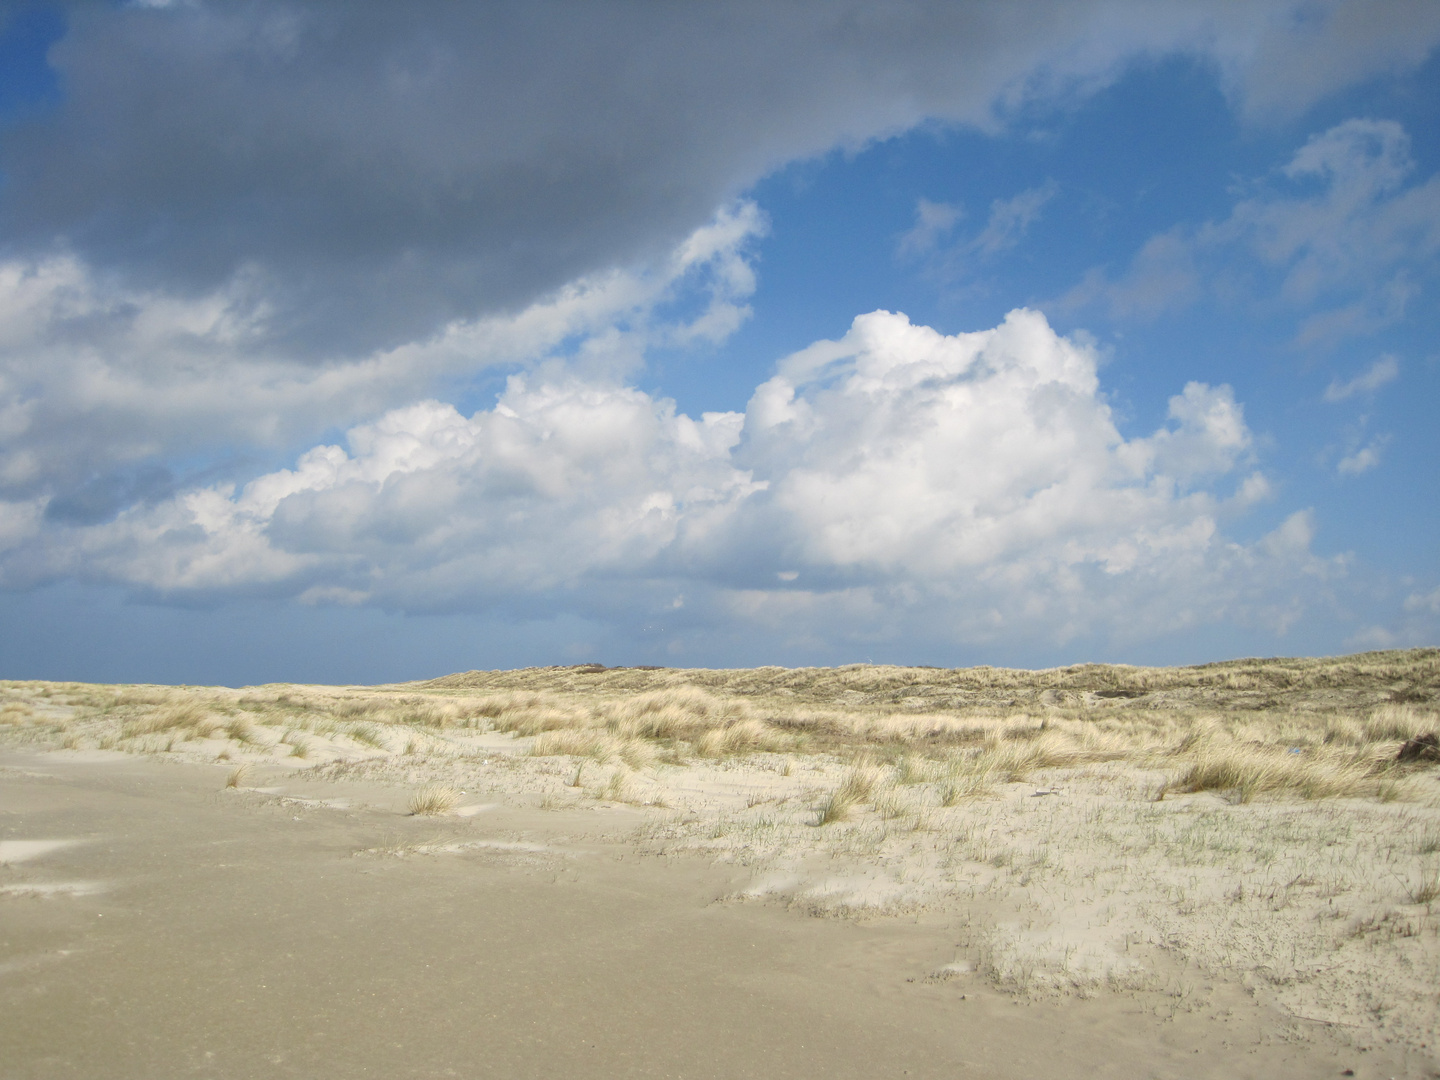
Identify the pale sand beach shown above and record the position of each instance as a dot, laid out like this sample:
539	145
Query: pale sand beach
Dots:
857	872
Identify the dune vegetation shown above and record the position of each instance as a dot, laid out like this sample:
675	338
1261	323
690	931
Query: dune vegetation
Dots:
1308	727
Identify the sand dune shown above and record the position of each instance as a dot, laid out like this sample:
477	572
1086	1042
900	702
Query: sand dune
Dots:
1177	872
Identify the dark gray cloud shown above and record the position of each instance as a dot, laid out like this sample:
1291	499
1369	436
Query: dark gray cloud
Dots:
99	500
371	169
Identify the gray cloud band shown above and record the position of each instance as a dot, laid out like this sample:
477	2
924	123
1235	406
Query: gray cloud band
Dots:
359	173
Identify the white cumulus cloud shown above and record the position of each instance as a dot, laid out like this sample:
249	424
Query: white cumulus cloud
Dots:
976	482
899	448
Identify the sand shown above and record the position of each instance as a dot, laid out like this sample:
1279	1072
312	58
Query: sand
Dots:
314	929
629	875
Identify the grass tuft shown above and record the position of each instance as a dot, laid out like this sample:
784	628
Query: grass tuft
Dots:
742	737
618	787
1249	771
434	799
1428	890
860	784
185	716
1397	723
242	730
367	735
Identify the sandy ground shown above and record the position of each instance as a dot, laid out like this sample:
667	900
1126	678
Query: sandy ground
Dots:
155	923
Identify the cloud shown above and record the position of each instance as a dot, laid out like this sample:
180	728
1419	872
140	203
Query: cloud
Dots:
930	238
1010	218
1415	623
1425	603
1372	637
934	221
1163	274
240	229
898	447
976	482
1342	254
1384	370
1297	53
367	173
1383	305
1363	459
1362	222
561	478
101	385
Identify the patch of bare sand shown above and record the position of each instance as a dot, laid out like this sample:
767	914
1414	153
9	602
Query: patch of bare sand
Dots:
53	888
243	939
18	851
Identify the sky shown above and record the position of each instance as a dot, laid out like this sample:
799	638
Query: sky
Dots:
357	342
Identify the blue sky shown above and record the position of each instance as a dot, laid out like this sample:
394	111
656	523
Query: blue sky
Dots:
341	345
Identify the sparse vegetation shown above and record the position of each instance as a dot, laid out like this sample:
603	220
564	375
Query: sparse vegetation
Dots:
434	799
618	787
860	784
242	730
1253	728
1429	843
1427	891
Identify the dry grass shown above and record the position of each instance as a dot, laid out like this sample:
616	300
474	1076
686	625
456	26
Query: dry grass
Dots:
836	807
1210	726
1396	723
1363	680
638	729
1248	771
1429	841
1249	729
242	730
1254	728
573	743
185	714
743	737
599	745
966	778
15	712
366	735
859	785
619	787
434	799
1427	891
